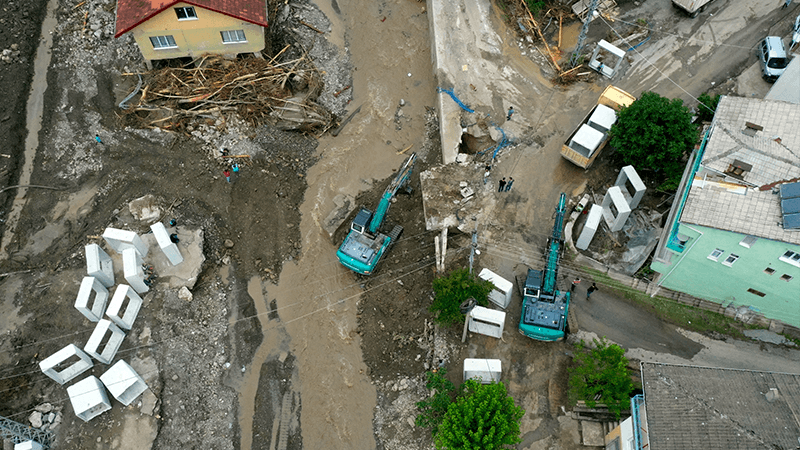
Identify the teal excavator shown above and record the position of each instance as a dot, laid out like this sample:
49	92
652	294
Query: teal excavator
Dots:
365	244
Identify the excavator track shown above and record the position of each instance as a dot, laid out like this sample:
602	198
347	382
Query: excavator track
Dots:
396	232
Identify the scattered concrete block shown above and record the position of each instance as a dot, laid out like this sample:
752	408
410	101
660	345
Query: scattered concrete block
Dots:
590	227
145	209
130	311
89	286
132	270
483	370
501	294
592	433
615	209
99	265
119	240
487	321
631	186
28	445
58	366
123	382
165	243
88	398
104	341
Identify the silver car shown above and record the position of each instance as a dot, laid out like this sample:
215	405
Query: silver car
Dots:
773	58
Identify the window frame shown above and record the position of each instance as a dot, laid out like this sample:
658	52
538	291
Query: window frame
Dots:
168	38
756	292
790	257
769	271
235	33
716	257
732	261
186	10
786	277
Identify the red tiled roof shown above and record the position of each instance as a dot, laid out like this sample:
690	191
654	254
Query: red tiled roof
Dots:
131	13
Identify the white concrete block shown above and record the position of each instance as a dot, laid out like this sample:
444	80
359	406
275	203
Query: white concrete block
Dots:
169	248
99	265
590	227
615	209
119	240
131	310
501	295
631	186
132	270
487	321
483	370
108	333
54	366
88	398
28	445
92	289
123	382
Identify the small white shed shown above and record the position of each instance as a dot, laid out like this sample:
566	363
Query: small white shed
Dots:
501	296
483	370
487	321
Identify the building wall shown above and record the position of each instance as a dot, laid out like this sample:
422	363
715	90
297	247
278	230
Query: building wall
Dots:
196	37
692	272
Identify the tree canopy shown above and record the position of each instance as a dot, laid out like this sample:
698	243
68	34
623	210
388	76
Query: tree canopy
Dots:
483	417
655	133
602	371
451	290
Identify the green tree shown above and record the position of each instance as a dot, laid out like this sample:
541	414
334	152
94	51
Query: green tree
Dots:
433	408
451	290
602	371
483	417
707	107
655	133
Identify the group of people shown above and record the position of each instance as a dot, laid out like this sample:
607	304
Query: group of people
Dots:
589	291
227	172
505	186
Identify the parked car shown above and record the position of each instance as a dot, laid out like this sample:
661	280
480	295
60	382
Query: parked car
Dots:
795	33
773	58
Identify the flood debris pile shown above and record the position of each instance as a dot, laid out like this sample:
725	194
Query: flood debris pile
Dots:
258	90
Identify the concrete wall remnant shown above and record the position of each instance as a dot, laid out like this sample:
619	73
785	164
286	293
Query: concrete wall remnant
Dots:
130	311
133	271
487	321
105	354
615	209
50	366
99	265
28	445
90	286
483	370
119	240
123	382
606	58
590	227
631	185
169	248
501	294
88	398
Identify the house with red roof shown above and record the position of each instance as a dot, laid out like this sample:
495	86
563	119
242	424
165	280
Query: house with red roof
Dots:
166	29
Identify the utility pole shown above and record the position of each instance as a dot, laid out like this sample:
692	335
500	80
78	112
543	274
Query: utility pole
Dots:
584	30
474	245
17	433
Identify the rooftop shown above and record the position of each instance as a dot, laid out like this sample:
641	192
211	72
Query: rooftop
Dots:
703	408
132	13
754	147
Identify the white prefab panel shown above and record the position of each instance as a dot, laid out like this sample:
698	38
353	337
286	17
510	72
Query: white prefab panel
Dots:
628	174
119	240
487	321
602	118
123	382
588	138
590	227
501	296
99	265
49	364
132	269
107	355
484	370
165	243
89	286
131	311
28	445
614	197
88	398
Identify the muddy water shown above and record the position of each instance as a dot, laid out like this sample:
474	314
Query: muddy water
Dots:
316	296
33	119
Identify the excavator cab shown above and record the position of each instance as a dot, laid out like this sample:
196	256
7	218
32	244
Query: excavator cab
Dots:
361	221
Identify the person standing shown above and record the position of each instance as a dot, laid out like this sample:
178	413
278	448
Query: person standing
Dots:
510	112
227	174
502	185
510	182
575	284
97	138
591	289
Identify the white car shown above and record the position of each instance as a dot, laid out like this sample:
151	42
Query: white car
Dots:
796	33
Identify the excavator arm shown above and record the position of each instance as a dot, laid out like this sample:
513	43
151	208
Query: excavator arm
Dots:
400	180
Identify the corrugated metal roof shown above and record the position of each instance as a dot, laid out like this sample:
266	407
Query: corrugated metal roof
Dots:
132	13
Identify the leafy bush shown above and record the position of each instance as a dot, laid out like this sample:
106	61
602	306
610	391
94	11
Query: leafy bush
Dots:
451	290
706	107
483	417
603	372
535	6
433	409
